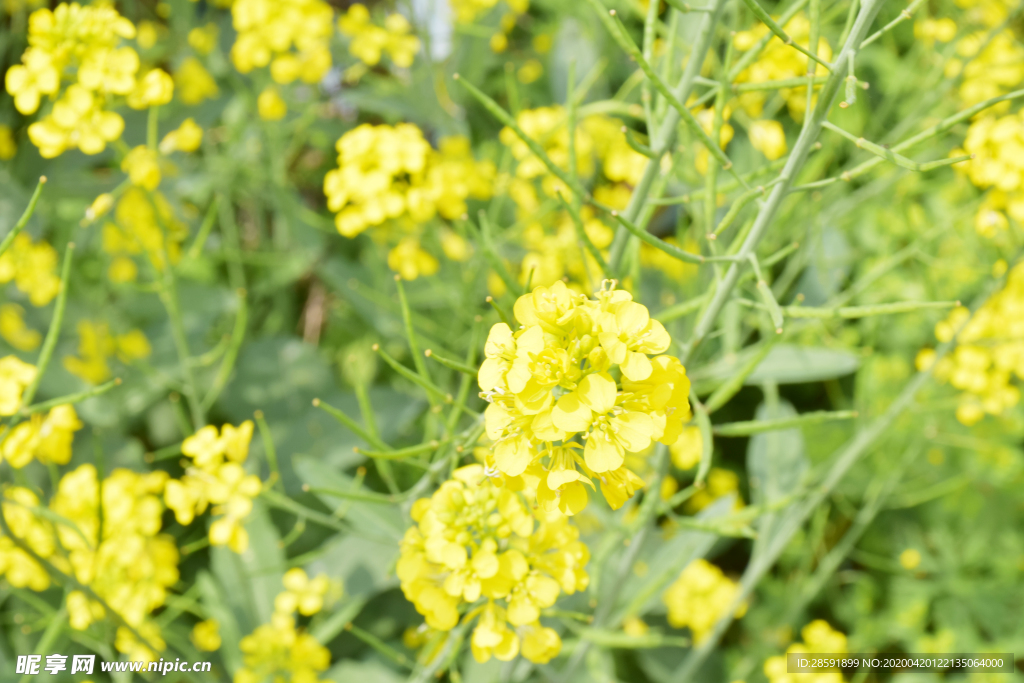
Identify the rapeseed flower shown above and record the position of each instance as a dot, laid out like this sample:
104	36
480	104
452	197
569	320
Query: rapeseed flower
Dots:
699	597
33	268
575	389
81	46
47	439
216	478
14	330
818	638
369	41
292	37
779	61
989	352
96	345
15	376
474	539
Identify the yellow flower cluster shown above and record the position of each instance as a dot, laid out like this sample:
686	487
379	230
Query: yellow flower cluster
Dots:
819	638
279	649
467	11
474	539
369	41
779	61
217	477
573	390
989	352
81	45
47	439
553	248
699	597
123	559
997	145
14	330
989	67
390	176
291	36
143	223
15	376
597	137
721	482
194	82
96	345
33	268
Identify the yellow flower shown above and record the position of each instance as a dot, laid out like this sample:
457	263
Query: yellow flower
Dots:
187	138
8	147
301	593
721	482
206	635
779	61
203	38
410	260
14	330
270	105
686	451
33	267
142	166
153	89
768	138
193	82
910	559
475	540
48	439
292	36
144	223
819	638
551	383
279	651
699	598
15	376
370	41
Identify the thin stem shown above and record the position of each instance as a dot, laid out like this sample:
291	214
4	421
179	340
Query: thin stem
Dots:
53	333
25	216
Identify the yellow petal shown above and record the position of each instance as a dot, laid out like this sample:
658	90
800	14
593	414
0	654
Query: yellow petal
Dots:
597	392
570	414
634	430
601	455
636	367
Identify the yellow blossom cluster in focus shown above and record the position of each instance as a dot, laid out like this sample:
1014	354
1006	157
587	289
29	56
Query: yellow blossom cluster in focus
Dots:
33	268
216	477
699	597
779	61
473	540
279	650
989	352
80	47
390	176
574	389
124	559
997	145
818	638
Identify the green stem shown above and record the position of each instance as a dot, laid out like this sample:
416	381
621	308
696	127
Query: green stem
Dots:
352	425
268	445
25	216
52	334
751	427
70	399
801	150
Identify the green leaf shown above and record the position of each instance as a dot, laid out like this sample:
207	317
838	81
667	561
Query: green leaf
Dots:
381	523
784	364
